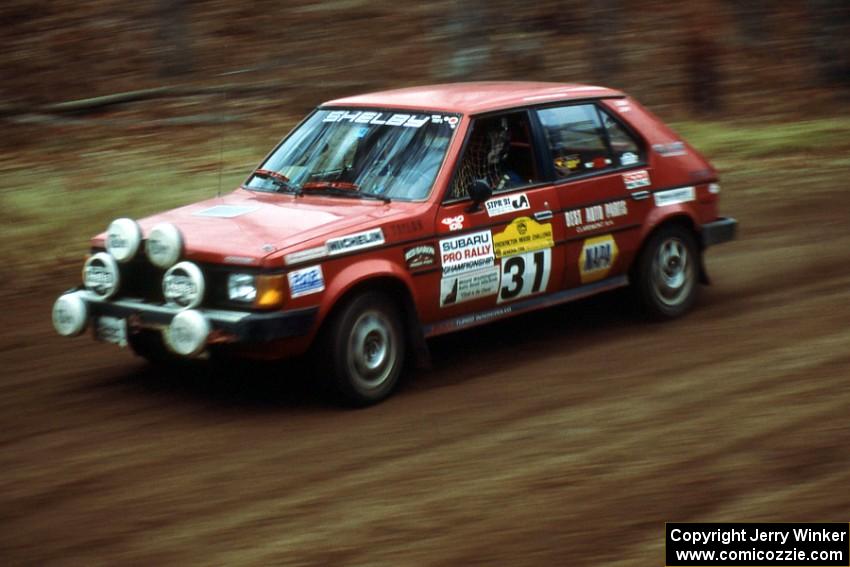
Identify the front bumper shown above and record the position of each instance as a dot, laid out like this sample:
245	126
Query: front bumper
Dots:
226	326
722	230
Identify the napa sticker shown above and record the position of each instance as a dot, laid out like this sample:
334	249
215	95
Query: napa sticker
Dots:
596	258
305	281
523	234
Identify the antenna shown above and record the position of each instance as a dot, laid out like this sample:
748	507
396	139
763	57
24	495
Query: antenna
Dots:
221	140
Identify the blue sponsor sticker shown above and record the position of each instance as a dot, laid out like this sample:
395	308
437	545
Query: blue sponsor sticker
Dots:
306	281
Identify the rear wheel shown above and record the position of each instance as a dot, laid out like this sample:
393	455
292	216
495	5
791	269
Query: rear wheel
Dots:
361	352
667	273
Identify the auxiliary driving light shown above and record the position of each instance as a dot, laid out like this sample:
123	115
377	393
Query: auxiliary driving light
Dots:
101	275
70	315
187	334
164	245
123	238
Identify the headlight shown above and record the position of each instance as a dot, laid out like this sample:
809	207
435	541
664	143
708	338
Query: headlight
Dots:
261	291
164	245
101	275
123	238
242	288
183	285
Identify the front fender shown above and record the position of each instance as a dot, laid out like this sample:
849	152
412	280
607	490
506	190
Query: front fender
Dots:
359	273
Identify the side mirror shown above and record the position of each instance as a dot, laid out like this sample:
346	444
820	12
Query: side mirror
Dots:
479	191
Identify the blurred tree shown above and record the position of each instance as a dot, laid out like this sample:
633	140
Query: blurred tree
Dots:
173	38
702	60
830	40
467	29
605	21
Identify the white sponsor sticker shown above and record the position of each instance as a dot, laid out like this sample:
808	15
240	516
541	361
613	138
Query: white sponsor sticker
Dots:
466	287
507	204
305	255
453	223
467	253
306	281
357	241
636	179
628	158
225	211
674	196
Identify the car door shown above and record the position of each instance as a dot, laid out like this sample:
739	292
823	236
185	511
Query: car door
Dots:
502	250
602	182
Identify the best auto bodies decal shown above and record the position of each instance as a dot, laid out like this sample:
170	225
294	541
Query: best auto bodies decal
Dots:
597	256
466	253
523	234
596	217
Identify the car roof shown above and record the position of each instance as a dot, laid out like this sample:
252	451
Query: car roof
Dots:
474	97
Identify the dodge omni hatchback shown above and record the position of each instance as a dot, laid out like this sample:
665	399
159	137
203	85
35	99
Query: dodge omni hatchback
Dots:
387	218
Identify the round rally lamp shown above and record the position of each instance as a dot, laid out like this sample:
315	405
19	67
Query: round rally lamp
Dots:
183	285
123	238
164	245
101	275
187	334
70	315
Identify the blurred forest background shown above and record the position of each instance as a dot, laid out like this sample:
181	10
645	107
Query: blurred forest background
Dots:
115	107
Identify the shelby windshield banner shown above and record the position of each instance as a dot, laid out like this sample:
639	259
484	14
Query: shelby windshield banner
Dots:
758	545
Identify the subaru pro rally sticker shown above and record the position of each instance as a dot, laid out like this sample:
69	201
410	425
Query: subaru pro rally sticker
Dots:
357	241
636	179
674	196
506	204
467	253
597	256
306	281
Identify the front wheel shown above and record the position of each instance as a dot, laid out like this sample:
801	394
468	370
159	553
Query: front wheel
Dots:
361	353
666	274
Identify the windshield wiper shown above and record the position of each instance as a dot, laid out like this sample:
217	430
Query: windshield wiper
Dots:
279	180
342	189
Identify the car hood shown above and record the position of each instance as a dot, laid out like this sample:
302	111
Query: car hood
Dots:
245	227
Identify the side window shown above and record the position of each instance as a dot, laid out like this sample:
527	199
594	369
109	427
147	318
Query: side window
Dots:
499	150
576	141
579	140
625	147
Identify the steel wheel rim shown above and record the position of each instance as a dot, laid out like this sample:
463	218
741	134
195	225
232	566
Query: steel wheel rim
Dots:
371	350
672	272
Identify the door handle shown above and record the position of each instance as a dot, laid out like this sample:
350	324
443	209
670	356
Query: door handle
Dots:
542	215
640	195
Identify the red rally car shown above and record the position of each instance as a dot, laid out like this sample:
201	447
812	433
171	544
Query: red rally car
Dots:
387	218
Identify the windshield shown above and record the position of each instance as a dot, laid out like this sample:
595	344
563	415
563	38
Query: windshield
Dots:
384	154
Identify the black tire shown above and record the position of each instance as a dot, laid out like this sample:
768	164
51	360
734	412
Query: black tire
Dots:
361	350
666	275
151	346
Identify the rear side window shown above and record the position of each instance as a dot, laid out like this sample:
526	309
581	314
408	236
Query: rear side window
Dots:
582	139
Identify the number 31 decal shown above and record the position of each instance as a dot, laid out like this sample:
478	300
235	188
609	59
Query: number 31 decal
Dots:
525	274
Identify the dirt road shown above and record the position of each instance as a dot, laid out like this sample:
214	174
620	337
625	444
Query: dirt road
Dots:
565	437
